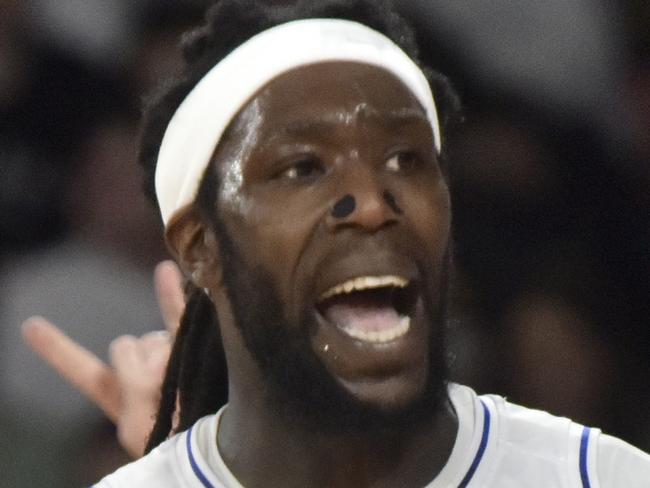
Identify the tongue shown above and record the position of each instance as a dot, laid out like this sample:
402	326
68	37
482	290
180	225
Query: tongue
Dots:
361	311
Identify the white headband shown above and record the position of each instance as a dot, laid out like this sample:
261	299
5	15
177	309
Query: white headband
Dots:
200	121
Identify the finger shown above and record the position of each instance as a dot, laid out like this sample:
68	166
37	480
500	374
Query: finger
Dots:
156	347
169	291
140	388
155	338
125	357
73	362
131	358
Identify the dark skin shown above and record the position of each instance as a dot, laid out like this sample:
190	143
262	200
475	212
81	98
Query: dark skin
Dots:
289	157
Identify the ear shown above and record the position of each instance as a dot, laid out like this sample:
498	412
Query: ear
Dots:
195	247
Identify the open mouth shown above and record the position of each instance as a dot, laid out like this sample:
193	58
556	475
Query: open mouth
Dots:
374	309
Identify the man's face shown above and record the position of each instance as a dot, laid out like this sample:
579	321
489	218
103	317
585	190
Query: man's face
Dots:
334	215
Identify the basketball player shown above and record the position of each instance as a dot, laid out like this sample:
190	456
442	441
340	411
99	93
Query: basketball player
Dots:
300	172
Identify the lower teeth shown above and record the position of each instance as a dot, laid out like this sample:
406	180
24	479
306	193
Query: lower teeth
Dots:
380	336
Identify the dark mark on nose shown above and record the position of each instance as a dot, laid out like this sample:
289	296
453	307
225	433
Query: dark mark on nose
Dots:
344	207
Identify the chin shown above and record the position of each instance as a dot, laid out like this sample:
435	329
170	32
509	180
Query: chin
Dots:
390	395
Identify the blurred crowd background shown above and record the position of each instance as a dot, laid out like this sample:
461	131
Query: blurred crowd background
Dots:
550	180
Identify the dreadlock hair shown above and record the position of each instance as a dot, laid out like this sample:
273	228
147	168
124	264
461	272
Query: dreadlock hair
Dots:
196	375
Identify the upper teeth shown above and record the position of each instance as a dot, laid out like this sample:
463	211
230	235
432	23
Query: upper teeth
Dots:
365	283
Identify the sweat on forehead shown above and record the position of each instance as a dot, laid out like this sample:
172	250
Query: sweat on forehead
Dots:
201	120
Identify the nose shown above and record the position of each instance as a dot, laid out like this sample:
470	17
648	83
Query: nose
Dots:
367	206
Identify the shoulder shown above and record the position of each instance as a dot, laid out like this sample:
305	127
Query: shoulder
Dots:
528	427
513	445
541	443
529	447
620	464
160	468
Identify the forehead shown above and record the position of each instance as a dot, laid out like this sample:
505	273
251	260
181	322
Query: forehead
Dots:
323	95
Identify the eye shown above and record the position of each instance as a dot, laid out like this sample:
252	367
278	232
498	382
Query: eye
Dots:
402	162
306	169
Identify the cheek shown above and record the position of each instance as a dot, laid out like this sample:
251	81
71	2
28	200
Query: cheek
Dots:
273	233
429	210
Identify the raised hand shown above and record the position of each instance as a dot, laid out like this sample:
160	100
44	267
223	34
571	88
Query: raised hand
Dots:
127	390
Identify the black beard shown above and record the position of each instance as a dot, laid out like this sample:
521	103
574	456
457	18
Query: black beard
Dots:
299	387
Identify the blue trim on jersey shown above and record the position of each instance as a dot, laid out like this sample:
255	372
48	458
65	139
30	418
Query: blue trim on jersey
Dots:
584	449
481	447
195	467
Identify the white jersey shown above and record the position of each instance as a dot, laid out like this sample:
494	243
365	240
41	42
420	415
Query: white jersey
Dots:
498	444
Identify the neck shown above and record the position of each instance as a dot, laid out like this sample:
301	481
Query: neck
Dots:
263	449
